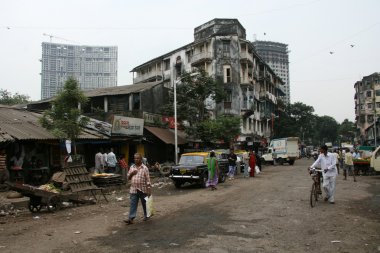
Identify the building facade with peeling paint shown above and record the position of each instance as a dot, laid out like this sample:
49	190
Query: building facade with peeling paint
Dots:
220	48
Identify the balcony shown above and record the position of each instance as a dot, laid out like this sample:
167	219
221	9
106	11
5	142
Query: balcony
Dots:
201	57
246	80
149	76
246	57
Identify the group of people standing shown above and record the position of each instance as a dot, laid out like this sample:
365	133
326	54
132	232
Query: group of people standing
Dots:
105	162
250	160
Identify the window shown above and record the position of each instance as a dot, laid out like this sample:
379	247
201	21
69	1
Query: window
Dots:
226	49
136	101
377	92
369	93
369	105
167	64
228	100
377	104
227	74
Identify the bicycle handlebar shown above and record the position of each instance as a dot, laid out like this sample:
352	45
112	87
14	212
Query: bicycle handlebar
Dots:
318	170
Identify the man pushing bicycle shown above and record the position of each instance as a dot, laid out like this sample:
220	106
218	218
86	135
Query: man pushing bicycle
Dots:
327	162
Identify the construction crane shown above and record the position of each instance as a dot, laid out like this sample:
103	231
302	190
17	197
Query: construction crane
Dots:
56	37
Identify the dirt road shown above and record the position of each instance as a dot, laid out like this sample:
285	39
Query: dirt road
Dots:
268	213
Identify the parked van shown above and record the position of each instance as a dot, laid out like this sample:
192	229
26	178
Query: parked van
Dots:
283	150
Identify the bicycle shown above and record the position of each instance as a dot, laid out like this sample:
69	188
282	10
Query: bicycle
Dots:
316	191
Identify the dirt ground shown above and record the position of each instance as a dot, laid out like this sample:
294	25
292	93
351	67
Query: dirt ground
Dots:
268	213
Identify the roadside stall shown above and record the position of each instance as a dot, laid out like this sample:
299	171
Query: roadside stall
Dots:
362	164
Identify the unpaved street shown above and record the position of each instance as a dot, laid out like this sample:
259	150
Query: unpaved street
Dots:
268	213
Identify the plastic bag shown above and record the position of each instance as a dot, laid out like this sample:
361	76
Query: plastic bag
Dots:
249	169
257	170
149	206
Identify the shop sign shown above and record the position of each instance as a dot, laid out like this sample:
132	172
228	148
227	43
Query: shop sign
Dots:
127	126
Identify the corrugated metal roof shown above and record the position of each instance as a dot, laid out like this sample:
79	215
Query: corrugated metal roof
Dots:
166	135
118	90
110	91
19	124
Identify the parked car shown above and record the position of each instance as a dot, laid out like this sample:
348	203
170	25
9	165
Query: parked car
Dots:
192	168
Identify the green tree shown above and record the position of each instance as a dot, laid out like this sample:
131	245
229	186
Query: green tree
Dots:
296	120
64	118
7	98
224	128
192	92
346	131
326	129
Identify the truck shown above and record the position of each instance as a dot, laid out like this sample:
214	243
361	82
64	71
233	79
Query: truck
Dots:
282	150
374	166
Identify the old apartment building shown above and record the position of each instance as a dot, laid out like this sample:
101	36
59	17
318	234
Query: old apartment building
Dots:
220	48
367	109
276	55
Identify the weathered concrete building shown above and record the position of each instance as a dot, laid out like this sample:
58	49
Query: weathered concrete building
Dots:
220	48
367	109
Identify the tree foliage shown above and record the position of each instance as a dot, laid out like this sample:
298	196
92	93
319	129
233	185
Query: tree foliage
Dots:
223	128
297	120
346	131
192	92
64	118
7	98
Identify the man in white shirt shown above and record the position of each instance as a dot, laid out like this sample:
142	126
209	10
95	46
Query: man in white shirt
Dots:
99	164
111	162
327	162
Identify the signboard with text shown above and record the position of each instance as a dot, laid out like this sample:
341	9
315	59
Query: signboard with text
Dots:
127	126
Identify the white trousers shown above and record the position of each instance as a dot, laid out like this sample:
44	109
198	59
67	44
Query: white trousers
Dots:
329	187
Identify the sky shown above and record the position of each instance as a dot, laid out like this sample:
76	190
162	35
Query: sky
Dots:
332	43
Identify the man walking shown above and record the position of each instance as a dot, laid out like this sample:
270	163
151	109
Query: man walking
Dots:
231	164
111	162
99	164
348	165
140	187
326	161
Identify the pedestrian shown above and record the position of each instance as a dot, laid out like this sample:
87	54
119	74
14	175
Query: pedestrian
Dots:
252	163
336	159
105	159
123	167
348	165
326	161
231	164
258	161
99	163
140	187
111	162
213	171
341	154
246	163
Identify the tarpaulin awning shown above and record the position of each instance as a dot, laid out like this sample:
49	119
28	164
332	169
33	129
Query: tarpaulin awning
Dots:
166	135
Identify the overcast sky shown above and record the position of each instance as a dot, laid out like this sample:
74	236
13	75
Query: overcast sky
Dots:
143	30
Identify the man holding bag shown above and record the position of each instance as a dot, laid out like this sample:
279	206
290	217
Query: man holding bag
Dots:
138	175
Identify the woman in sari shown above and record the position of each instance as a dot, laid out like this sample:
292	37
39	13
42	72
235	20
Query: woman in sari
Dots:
213	171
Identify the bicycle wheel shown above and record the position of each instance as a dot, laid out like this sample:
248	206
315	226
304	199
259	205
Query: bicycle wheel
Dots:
313	195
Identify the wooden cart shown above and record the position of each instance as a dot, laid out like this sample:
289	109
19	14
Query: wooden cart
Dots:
80	186
39	198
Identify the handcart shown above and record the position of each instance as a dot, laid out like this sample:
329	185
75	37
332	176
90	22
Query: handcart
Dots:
79	185
41	198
